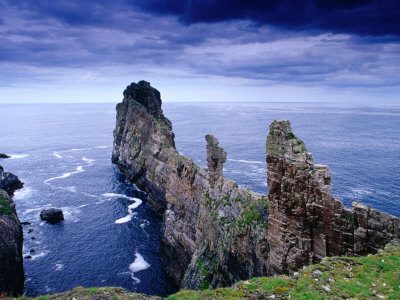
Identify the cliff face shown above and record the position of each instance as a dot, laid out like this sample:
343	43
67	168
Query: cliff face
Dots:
306	222
11	265
216	233
198	205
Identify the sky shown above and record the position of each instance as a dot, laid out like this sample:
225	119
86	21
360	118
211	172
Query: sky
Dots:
345	51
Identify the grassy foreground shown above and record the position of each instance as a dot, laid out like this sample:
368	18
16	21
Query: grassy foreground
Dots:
371	277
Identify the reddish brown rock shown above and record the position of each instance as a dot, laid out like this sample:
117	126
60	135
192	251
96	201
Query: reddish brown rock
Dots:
216	233
306	222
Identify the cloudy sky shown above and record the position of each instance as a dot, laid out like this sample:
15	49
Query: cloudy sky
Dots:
201	50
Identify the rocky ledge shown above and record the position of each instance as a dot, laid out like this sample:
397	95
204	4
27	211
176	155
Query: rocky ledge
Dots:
11	237
216	233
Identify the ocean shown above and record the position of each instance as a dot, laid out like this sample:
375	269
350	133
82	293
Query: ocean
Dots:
110	236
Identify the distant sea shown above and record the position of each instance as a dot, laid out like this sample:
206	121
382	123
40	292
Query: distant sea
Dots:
110	236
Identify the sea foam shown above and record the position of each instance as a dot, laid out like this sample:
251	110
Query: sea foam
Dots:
16	156
138	264
79	169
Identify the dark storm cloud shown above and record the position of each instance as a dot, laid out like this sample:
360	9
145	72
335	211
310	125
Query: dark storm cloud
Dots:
365	17
229	39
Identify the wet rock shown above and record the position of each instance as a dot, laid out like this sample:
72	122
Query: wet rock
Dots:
26	223
30	230
9	182
52	215
2	155
32	251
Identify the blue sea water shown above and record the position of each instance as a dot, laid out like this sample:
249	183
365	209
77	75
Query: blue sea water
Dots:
110	236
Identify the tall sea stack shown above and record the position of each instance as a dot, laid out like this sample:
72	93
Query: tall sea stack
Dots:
216	233
306	222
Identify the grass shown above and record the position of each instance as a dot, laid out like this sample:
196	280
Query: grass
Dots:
5	205
370	277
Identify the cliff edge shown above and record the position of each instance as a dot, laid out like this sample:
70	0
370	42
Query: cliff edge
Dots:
11	238
216	233
211	226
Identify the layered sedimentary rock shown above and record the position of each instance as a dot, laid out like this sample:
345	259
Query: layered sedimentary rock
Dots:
199	206
11	265
216	233
306	222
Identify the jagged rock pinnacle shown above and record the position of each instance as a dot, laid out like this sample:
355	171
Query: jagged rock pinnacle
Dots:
216	156
146	95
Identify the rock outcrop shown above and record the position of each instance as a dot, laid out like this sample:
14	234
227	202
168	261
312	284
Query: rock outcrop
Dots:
3	155
52	215
11	237
9	182
306	222
199	206
216	233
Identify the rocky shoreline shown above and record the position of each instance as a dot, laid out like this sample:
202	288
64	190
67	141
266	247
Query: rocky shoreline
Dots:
11	237
216	233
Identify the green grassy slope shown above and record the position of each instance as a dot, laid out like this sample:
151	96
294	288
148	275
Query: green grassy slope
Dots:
371	277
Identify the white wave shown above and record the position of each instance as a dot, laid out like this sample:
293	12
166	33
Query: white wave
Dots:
79	169
135	205
131	207
83	205
108	195
16	156
59	267
71	189
56	154
24	193
102	147
247	161
90	195
70	212
124	219
29	210
39	255
89	161
135	279
138	264
77	149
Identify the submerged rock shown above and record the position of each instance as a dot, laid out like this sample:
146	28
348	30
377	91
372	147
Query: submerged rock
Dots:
52	215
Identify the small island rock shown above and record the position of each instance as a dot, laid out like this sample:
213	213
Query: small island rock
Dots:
2	155
52	215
